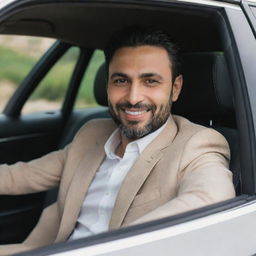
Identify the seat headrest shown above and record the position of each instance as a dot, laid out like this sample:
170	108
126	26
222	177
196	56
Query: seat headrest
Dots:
206	92
100	86
207	89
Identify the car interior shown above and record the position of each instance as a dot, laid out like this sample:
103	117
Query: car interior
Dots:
208	96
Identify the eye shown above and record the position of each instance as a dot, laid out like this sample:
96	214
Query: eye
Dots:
120	81
151	82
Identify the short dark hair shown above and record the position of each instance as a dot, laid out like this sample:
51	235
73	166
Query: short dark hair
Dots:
137	36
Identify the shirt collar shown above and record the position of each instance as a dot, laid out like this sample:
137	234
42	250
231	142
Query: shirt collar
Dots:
137	145
145	141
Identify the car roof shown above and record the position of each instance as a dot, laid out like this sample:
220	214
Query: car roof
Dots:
91	23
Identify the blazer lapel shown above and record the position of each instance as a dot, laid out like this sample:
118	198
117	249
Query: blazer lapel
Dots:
140	171
79	186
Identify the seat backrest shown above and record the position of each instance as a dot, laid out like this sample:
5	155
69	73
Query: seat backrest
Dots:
207	99
206	96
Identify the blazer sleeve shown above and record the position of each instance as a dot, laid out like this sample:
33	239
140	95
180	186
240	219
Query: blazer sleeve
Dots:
34	176
203	176
46	172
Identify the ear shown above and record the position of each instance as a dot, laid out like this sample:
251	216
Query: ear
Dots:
176	87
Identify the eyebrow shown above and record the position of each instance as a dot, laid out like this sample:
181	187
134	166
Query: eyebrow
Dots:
146	75
117	74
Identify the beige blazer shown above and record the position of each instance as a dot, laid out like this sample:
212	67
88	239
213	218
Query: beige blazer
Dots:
179	171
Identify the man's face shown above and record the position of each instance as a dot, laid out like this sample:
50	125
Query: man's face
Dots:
140	89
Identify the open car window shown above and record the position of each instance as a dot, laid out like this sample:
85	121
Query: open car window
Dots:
212	31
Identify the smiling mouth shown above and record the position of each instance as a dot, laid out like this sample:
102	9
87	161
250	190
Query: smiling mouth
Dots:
135	113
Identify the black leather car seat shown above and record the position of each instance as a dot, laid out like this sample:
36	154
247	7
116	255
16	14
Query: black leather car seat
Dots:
207	99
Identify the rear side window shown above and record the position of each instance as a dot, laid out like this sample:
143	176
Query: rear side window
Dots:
18	54
51	91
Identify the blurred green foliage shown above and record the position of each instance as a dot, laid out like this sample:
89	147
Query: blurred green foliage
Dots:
14	67
54	85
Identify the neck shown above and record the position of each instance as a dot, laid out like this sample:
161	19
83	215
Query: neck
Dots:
122	146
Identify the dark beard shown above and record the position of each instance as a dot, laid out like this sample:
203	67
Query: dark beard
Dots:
130	130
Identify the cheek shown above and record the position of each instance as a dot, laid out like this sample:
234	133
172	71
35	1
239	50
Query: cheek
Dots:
113	95
160	97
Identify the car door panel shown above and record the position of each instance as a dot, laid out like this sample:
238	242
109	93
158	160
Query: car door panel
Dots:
18	215
22	139
29	136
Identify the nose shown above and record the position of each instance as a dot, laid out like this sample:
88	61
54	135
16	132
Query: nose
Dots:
134	94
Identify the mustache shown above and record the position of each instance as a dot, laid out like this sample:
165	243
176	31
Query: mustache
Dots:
138	106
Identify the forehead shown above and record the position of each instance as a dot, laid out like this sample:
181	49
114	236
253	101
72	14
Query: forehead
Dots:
141	58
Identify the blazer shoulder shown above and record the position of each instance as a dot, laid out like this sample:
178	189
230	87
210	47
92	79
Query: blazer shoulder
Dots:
199	140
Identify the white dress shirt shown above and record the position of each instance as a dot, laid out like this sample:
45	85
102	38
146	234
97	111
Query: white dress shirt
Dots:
99	201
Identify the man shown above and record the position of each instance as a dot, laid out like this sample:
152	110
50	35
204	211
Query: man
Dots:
148	165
